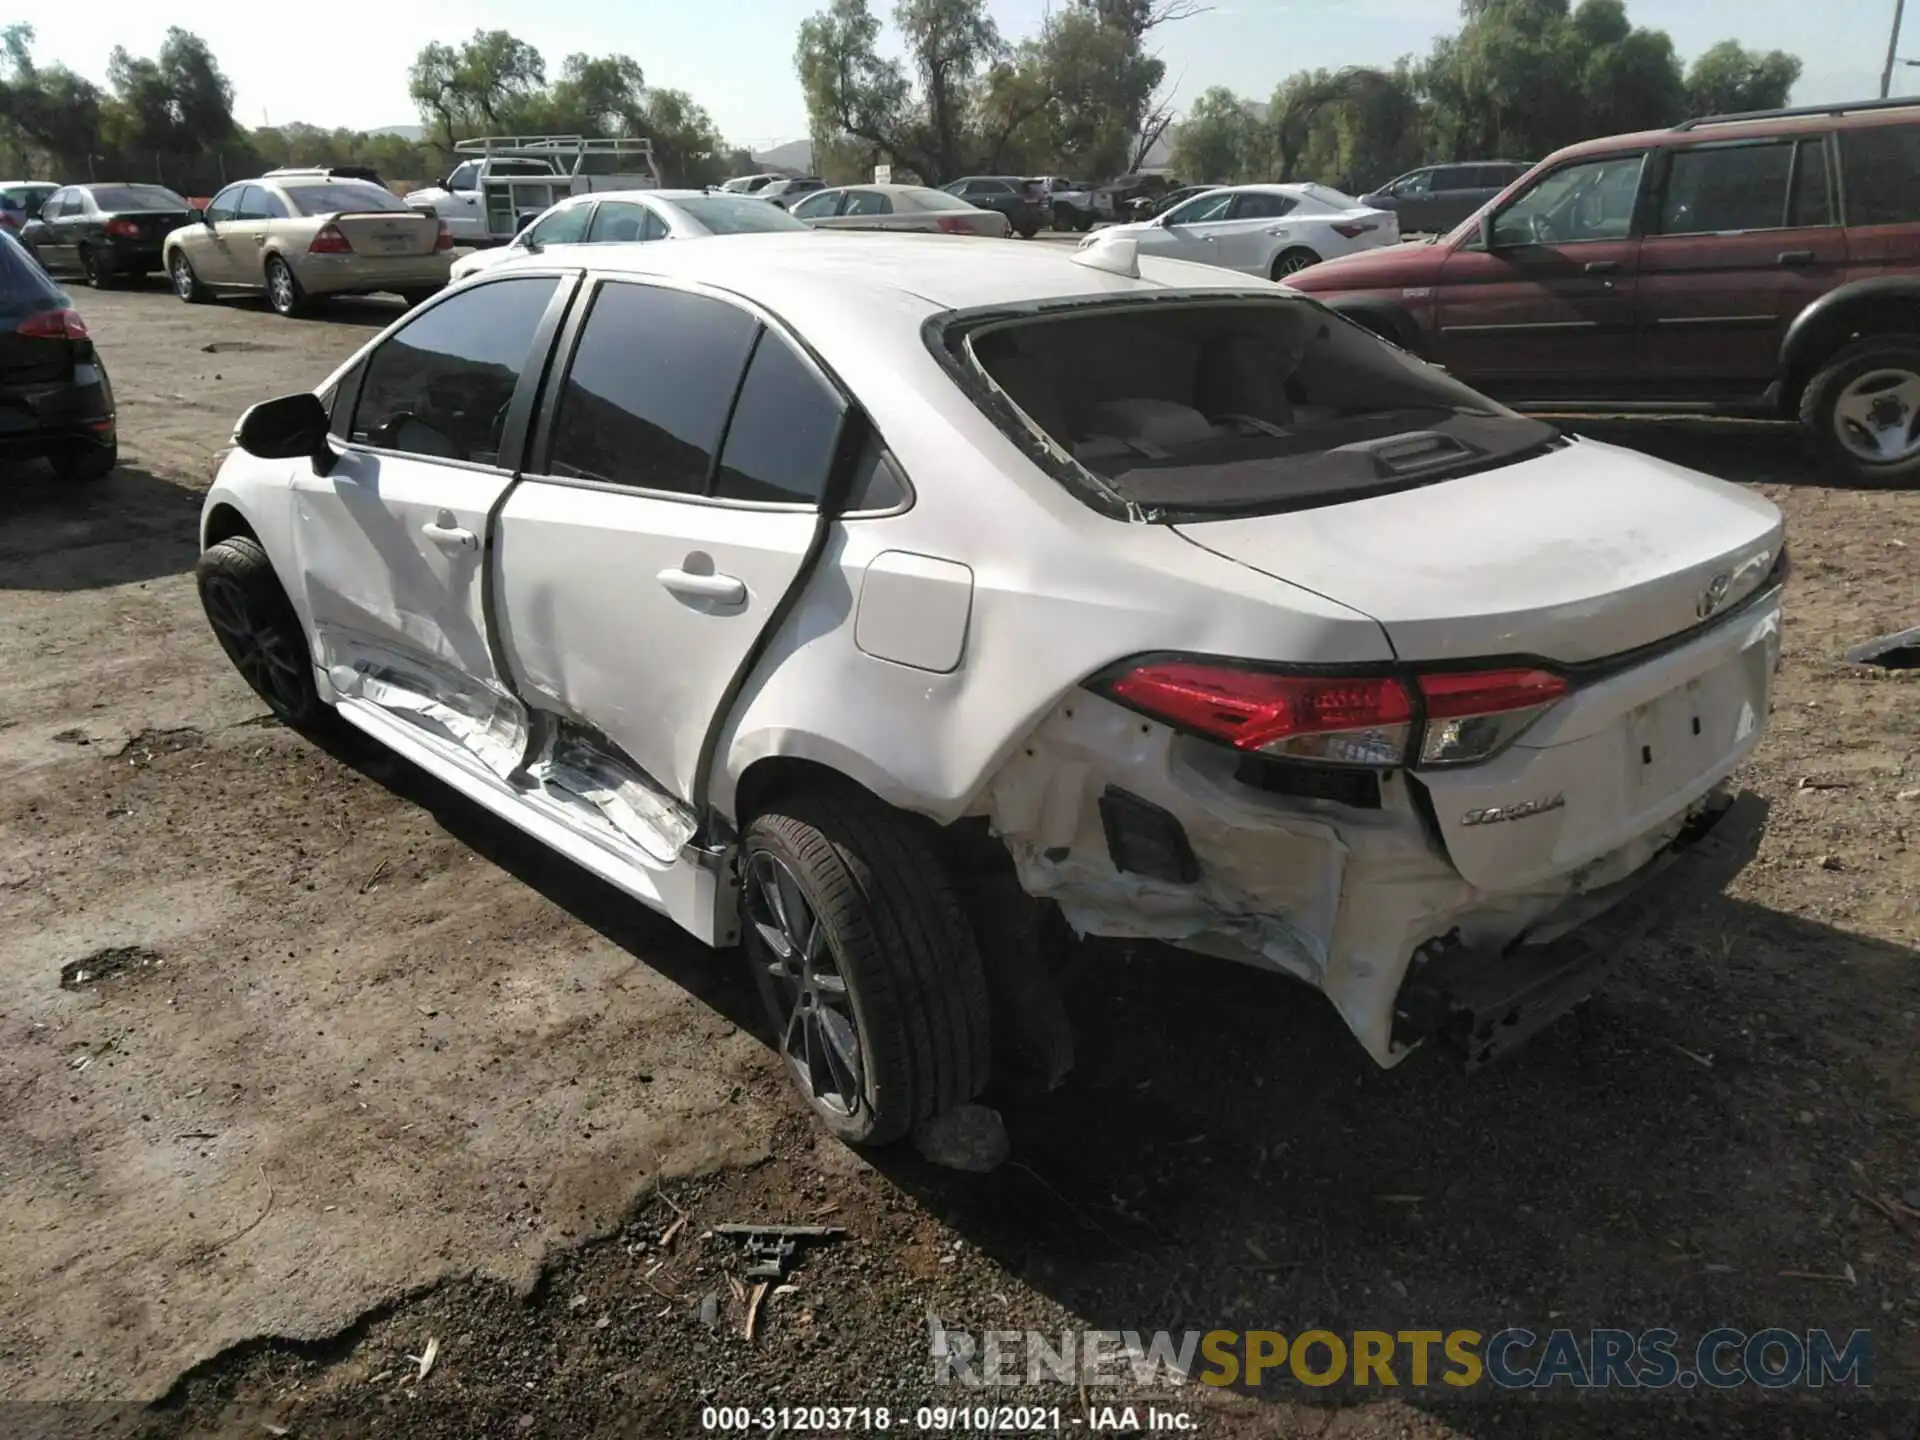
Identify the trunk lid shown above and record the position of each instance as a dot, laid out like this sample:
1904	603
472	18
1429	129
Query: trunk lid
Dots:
151	224
1585	552
378	233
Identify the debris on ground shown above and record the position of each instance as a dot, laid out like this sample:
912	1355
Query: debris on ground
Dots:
771	1248
969	1137
1898	651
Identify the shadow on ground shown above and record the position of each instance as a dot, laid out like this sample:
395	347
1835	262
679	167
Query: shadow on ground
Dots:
85	535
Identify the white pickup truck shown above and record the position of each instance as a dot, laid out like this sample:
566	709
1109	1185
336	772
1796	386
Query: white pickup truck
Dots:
508	179
1074	205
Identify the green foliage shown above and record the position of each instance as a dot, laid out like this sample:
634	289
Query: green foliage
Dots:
1729	79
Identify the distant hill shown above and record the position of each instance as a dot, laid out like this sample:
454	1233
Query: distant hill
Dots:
795	155
405	132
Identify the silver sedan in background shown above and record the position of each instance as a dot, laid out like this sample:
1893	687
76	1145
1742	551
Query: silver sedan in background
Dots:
899	207
613	216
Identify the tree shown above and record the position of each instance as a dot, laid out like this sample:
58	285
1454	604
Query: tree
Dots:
1220	140
850	91
685	142
50	110
1729	79
483	84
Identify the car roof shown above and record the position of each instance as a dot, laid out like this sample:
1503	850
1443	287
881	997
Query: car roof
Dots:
775	268
1763	125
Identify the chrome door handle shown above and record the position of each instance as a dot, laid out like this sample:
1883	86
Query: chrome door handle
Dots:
445	532
726	589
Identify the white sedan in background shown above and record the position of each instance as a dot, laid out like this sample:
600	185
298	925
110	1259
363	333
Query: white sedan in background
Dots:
612	216
1269	230
900	207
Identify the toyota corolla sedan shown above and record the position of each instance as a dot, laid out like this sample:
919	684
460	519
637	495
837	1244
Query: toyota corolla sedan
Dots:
879	604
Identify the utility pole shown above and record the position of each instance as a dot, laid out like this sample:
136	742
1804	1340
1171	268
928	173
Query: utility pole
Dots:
1893	44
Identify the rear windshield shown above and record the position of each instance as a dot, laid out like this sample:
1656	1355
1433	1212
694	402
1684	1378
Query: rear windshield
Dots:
1237	406
737	215
136	197
932	200
346	195
24	286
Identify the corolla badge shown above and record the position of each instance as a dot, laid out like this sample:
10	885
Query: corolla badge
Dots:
1714	596
1522	810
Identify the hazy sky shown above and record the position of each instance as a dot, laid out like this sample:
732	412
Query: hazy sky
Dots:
736	56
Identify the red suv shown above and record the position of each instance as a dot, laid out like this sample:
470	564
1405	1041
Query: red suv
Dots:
1763	265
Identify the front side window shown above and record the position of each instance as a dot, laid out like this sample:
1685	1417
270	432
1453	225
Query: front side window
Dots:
817	207
1202	208
867	202
465	177
1713	189
988	187
225	205
441	385
647	395
1418	183
565	226
1590	200
1881	167
781	439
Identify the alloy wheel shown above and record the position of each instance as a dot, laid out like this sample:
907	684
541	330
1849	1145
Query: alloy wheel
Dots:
1877	417
806	990
280	286
259	647
182	277
1292	264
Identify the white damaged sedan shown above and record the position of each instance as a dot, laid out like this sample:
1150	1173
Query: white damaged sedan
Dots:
879	605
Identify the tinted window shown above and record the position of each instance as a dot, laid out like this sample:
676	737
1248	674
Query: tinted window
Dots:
1262	207
1418	183
259	203
343	196
1201	207
24	286
988	187
565	226
136	197
1881	167
1494	177
780	444
876	483
1812	200
867	202
1726	187
223	205
1589	201
441	385
647	394
618	220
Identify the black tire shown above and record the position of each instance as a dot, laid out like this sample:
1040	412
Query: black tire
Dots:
186	281
1083	222
1029	230
1840	439
255	624
896	935
85	461
97	275
284	295
1292	262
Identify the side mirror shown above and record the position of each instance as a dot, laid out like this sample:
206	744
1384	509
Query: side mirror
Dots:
286	429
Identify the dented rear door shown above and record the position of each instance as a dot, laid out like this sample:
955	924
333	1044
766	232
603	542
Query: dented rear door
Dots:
391	543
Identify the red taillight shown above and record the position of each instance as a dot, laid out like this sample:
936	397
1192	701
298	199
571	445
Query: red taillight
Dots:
952	225
53	325
330	241
444	240
1347	719
1343	719
1353	229
126	229
1475	715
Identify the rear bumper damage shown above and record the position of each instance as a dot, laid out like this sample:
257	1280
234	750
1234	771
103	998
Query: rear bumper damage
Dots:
1481	1003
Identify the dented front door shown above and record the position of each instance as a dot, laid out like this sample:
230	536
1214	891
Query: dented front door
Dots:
392	543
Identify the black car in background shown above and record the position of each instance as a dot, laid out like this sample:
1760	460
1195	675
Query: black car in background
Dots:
105	231
1024	202
1435	198
1145	207
55	401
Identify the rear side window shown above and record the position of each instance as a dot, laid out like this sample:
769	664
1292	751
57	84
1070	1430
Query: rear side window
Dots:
1881	167
1219	407
1260	206
780	443
623	220
441	385
1726	187
647	395
867	202
1812	200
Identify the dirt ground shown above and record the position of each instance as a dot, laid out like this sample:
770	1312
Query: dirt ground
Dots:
307	1065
